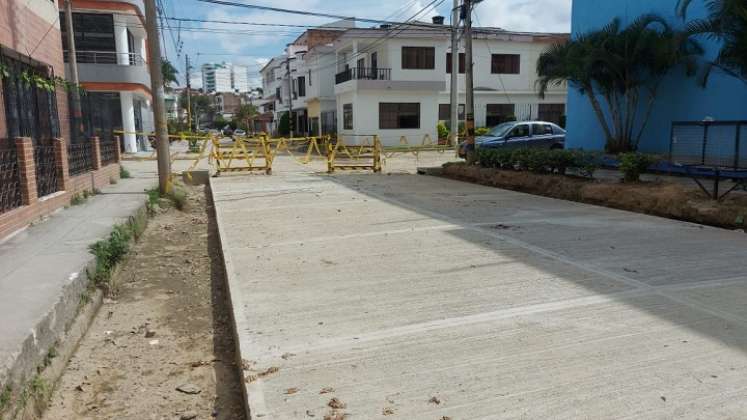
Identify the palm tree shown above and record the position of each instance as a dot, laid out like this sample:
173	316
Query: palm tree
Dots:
168	72
726	23
619	70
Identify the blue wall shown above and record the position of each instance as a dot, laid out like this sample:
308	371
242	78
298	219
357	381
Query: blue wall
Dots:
680	98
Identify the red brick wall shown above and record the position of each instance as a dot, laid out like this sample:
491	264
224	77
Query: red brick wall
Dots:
21	217
26	32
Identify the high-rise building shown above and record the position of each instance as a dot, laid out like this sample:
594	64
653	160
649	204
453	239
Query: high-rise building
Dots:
225	77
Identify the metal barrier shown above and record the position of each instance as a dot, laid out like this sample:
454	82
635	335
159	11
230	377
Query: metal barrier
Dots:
46	169
10	177
256	153
354	157
711	149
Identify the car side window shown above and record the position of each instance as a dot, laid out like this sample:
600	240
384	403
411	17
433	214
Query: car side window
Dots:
519	131
541	129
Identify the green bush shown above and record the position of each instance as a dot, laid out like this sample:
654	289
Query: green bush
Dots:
539	160
124	173
110	252
481	131
443	131
633	164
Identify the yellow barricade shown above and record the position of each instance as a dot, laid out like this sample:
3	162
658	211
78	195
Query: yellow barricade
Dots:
289	145
427	145
354	157
251	154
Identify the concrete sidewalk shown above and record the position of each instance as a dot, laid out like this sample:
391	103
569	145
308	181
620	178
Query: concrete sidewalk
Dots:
42	271
423	298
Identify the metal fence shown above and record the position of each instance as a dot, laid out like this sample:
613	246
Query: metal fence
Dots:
10	177
717	144
79	158
46	169
108	148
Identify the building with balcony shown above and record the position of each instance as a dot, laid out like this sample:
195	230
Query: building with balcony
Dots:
110	43
395	83
225	77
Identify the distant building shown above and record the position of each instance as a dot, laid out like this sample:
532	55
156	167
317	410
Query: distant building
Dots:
195	80
225	77
227	104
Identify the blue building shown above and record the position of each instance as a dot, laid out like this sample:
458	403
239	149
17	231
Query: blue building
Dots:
680	97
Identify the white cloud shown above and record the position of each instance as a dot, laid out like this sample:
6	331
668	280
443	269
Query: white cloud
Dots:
526	15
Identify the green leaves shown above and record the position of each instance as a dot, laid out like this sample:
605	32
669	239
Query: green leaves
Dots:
540	160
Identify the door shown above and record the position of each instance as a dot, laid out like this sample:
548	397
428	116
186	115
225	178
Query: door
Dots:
374	65
542	136
518	137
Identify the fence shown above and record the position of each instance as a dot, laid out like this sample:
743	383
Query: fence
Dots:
79	158
46	169
108	150
717	144
10	177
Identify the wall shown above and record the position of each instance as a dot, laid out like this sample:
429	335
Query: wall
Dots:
366	115
680	99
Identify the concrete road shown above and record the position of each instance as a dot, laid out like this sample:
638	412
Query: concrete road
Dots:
414	297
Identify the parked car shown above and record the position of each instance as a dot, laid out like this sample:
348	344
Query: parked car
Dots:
518	134
239	132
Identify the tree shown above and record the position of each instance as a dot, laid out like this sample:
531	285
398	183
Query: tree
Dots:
620	70
201	106
726	23
284	125
244	115
169	73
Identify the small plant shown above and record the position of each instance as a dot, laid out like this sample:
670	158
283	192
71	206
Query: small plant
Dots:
110	252
443	131
178	197
124	173
78	199
481	131
632	165
51	354
5	397
86	194
153	196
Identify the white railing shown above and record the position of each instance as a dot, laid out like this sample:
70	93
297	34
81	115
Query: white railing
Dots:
107	57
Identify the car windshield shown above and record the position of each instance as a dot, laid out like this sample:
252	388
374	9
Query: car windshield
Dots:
502	129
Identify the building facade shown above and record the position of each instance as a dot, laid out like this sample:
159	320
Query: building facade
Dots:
110	43
679	98
225	77
44	163
395	84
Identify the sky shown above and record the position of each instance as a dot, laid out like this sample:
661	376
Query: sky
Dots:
255	45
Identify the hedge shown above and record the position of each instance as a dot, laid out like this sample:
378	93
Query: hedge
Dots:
540	160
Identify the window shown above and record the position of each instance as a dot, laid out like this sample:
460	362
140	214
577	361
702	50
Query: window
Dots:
418	58
461	63
399	115
498	113
29	111
541	129
505	64
93	32
519	131
551	113
347	116
309	77
361	64
444	112
278	96
301	86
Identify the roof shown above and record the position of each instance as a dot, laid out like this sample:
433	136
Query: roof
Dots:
424	30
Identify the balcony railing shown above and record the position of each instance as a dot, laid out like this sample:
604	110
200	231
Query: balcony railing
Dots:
107	57
363	73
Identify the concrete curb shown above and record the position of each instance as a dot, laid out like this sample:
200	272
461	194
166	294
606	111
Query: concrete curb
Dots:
42	357
250	403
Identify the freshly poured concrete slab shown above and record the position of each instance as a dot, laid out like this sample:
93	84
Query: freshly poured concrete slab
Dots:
387	291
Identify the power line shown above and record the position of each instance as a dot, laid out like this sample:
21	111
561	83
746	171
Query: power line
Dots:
303	12
430	28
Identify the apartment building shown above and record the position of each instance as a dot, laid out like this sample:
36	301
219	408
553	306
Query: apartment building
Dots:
225	77
110	43
395	83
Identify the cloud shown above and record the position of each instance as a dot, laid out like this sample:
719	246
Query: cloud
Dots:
526	15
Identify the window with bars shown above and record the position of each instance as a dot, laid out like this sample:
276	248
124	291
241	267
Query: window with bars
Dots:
498	113
399	115
418	58
444	112
347	116
505	63
551	113
30	111
461	63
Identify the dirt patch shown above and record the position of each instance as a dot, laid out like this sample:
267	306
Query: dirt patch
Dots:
162	346
669	200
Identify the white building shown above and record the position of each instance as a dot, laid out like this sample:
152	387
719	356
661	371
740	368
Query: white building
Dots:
195	80
112	59
395	83
225	77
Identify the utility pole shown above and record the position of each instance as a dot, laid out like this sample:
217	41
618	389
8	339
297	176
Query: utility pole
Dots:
290	94
72	58
159	106
455	76
469	124
189	95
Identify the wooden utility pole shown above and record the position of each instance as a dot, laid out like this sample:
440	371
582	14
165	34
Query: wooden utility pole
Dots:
159	106
454	117
72	58
189	95
469	124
